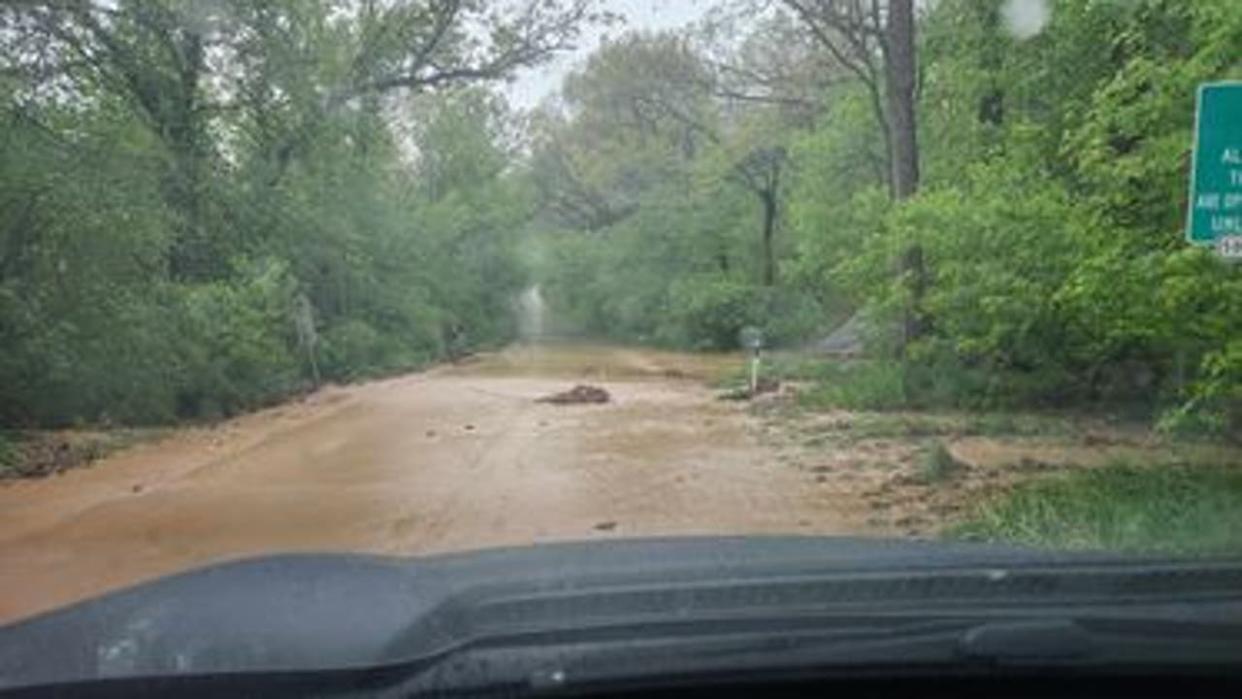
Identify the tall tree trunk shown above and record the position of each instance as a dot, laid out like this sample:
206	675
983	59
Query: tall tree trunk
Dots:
991	60
902	71
769	234
184	131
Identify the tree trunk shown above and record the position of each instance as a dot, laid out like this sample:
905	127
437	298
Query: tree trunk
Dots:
769	235
901	67
184	131
991	61
902	71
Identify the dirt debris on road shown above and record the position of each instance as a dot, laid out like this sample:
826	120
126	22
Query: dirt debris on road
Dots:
578	395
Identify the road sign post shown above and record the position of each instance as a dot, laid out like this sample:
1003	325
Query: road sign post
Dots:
752	339
1215	215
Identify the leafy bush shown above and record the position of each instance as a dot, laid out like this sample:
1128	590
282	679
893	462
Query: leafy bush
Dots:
710	313
237	343
349	349
354	349
122	304
109	359
1215	404
790	317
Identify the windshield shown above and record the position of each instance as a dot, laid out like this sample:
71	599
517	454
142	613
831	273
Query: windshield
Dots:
411	277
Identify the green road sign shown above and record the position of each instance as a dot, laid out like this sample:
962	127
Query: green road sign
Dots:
1216	181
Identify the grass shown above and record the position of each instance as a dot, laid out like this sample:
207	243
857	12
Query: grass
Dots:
1165	509
885	384
937	465
857	385
8	451
859	427
780	366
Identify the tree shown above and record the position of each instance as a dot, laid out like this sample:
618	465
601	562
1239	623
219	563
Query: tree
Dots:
183	66
874	41
764	59
193	194
655	93
900	67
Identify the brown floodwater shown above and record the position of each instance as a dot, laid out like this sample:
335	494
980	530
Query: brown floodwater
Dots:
453	459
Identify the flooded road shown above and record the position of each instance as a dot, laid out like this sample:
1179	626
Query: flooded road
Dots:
454	459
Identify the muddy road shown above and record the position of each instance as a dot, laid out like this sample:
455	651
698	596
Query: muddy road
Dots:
454	459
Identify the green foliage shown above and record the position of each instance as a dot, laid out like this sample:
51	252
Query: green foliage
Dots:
790	316
8	451
1215	406
178	240
662	203
163	218
1050	217
236	348
712	312
1172	509
350	348
861	385
894	385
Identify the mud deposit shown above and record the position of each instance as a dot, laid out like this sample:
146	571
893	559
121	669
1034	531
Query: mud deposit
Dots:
455	459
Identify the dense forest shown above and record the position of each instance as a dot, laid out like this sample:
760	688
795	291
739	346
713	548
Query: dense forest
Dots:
209	205
205	206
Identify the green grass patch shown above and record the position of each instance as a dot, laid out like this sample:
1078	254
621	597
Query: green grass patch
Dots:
1166	509
857	385
865	426
782	367
886	384
8	451
937	465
